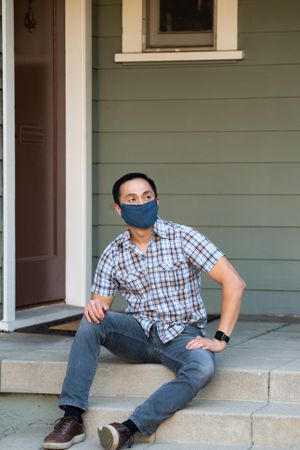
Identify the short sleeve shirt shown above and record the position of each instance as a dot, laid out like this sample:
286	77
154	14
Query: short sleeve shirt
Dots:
163	286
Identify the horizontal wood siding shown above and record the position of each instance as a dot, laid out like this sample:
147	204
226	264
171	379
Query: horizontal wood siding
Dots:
222	141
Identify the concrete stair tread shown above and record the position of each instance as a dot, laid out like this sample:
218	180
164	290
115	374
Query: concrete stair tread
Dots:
280	410
31	439
195	406
274	380
114	377
207	421
202	421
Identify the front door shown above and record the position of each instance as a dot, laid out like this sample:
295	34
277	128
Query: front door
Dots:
40	151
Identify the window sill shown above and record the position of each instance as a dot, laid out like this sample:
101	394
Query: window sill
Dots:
162	56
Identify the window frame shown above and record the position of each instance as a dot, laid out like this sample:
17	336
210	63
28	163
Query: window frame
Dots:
134	45
169	41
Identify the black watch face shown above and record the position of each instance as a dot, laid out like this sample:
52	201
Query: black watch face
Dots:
221	336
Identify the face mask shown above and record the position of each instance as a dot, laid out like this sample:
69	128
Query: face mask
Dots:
140	216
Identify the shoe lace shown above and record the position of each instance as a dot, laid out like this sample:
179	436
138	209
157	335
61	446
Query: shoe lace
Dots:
129	438
130	441
63	423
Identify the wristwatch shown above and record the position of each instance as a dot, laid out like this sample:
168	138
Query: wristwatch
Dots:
221	336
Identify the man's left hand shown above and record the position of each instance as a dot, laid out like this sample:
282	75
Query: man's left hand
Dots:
214	345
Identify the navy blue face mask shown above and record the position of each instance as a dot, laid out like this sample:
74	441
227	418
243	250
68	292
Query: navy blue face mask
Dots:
140	216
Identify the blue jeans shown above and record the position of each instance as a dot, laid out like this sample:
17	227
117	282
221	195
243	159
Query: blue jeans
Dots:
123	336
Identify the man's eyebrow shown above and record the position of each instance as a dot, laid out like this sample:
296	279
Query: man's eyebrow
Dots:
131	194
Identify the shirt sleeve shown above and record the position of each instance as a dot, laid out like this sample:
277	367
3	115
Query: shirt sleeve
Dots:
104	280
200	251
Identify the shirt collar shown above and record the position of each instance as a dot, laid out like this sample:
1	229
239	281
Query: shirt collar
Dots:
160	228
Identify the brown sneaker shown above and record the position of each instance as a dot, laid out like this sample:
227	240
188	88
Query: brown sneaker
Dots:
114	435
67	431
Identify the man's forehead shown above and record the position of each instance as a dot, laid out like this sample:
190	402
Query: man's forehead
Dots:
136	186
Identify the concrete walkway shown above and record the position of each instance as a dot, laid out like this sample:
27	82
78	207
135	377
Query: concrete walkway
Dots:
257	387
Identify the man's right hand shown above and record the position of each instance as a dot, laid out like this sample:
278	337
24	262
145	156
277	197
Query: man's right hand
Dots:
95	310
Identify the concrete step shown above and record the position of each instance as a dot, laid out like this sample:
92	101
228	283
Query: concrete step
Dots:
261	364
252	403
206	422
115	378
203	421
285	382
277	425
32	437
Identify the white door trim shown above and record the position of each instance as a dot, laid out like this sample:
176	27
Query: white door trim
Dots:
78	158
78	151
8	164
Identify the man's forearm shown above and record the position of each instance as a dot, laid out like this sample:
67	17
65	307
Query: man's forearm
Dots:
231	302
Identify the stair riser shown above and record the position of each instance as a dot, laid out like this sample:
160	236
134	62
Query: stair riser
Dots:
190	428
276	432
285	387
130	380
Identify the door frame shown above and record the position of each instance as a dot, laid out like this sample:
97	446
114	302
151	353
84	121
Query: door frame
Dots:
78	57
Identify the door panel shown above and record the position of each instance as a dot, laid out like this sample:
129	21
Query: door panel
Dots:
40	153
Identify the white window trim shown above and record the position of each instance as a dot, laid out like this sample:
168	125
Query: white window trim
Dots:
133	39
78	161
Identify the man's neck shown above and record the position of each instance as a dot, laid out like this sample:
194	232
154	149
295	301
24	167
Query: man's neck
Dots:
141	238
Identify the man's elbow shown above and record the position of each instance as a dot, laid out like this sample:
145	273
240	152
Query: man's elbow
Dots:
241	285
236	283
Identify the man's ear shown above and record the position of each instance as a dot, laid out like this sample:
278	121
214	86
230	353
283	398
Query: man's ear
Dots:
117	209
157	198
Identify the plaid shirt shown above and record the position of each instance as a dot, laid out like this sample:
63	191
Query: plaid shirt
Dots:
163	286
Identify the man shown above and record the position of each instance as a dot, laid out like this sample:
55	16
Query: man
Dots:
156	266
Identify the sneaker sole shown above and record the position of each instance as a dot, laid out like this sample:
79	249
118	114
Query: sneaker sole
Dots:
62	445
109	437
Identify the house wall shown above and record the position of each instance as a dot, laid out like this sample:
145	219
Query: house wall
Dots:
222	141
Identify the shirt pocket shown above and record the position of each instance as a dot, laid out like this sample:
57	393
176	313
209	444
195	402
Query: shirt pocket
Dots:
135	282
174	275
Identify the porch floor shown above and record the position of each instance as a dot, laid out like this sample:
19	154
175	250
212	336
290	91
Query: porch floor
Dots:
263	345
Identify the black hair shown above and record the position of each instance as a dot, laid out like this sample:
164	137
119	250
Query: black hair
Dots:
128	177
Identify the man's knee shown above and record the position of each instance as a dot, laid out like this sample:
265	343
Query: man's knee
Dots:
200	371
89	330
97	330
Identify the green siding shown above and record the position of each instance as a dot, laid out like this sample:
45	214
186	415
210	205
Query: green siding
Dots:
197	115
224	147
236	242
197	83
210	179
216	210
222	141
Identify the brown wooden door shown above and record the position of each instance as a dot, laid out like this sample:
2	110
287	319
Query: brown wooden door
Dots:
40	152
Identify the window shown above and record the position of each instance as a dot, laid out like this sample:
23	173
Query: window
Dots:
177	30
181	24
